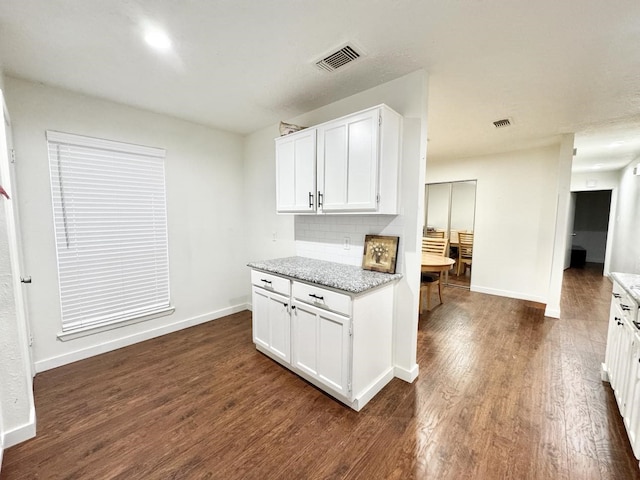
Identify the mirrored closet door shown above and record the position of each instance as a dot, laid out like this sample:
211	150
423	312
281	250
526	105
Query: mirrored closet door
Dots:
450	213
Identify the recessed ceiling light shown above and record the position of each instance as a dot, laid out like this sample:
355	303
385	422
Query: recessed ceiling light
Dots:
157	39
616	144
597	166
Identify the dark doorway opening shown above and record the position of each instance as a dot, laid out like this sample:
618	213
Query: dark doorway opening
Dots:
590	227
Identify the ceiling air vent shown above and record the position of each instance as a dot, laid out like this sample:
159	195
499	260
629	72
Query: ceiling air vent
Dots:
505	122
340	58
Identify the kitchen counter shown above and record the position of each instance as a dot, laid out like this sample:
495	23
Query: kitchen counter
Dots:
630	282
348	278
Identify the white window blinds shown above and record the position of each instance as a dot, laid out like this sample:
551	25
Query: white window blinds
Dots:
110	218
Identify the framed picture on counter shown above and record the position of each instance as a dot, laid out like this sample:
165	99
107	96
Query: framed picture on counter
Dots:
380	253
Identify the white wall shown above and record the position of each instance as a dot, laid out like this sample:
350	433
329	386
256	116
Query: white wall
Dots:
2	372
269	235
516	199
625	256
608	180
322	237
204	178
561	213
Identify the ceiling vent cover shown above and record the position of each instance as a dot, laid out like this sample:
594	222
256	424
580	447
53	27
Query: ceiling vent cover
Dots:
505	122
340	58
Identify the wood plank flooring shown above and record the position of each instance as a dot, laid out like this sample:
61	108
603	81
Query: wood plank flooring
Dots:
503	393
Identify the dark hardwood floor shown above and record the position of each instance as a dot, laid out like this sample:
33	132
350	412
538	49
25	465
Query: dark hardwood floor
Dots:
503	392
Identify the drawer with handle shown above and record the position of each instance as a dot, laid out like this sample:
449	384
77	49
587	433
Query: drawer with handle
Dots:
271	282
321	297
627	306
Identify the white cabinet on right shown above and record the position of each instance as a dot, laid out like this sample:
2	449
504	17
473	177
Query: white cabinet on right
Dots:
358	158
622	358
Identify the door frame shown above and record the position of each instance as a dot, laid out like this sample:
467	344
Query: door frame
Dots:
611	225
15	251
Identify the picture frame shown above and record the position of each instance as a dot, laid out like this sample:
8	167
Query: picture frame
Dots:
380	253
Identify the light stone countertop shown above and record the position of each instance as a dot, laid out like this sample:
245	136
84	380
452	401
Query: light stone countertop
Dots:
630	282
348	278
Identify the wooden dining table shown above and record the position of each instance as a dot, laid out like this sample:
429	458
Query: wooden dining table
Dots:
436	263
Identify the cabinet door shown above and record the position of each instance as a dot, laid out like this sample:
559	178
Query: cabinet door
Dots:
260	317
632	419
271	322
610	353
321	346
622	369
613	347
280	327
348	163
296	172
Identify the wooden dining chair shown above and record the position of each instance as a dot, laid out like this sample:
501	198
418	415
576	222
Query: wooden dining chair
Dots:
434	246
465	251
435	234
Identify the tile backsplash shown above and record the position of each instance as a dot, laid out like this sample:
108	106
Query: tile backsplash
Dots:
323	236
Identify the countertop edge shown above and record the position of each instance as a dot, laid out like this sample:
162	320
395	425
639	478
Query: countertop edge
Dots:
286	272
625	280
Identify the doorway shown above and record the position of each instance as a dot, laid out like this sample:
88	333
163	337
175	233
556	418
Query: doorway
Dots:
589	238
450	212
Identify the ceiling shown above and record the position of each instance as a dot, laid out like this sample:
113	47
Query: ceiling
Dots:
240	65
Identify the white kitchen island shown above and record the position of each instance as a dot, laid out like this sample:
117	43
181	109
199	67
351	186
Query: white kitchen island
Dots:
330	323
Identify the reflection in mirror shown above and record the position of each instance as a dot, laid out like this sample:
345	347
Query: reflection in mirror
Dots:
438	196
450	212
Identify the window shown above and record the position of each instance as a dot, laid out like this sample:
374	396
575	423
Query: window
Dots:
110	218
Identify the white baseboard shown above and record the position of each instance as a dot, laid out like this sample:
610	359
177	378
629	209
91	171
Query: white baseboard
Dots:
508	294
58	361
406	375
368	393
23	432
553	312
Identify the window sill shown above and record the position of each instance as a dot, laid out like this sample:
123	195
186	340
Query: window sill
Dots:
85	331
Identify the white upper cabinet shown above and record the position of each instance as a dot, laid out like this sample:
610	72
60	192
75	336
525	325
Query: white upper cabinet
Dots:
348	163
296	172
357	166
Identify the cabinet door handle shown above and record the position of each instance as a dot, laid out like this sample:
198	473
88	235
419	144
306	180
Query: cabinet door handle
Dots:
310	200
318	297
624	307
616	295
320	199
286	305
265	280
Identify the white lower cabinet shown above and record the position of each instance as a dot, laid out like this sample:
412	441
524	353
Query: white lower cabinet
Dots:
622	362
632	417
341	343
272	322
322	346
